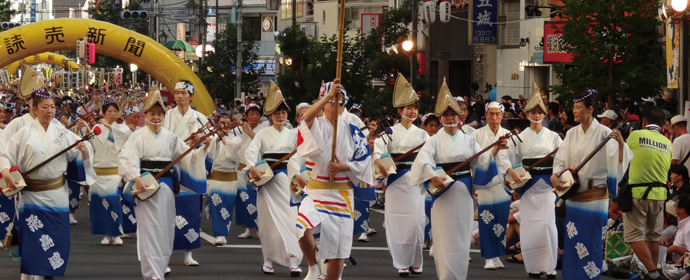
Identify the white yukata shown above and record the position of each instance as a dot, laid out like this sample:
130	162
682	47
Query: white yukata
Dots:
188	202
329	205
404	213
223	158
493	199
106	210
156	220
245	204
43	221
538	233
453	210
276	216
585	221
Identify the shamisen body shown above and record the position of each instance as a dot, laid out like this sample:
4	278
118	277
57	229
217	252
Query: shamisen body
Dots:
328	206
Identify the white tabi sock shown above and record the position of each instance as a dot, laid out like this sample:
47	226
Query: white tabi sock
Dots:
26	276
314	272
294	262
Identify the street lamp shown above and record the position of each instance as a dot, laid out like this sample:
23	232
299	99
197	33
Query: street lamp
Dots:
679	5
191	7
163	37
407	45
133	68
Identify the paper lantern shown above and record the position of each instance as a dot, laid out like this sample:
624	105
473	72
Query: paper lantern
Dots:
444	11
429	11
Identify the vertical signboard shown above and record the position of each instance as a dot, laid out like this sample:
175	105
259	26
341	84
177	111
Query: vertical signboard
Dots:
672	53
370	22
554	45
484	27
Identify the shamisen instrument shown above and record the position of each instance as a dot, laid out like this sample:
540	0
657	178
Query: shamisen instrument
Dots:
447	176
267	171
151	181
570	177
522	171
86	116
14	171
391	161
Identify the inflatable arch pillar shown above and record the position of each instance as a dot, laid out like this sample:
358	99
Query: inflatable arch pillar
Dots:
46	57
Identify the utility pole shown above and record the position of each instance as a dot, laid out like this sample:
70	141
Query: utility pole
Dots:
217	22
238	64
202	25
413	38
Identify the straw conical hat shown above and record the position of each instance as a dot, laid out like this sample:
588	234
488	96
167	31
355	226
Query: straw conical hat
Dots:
30	81
273	99
153	98
535	88
535	101
403	93
445	100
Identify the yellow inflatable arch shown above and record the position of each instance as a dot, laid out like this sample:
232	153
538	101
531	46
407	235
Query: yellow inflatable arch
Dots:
111	40
46	57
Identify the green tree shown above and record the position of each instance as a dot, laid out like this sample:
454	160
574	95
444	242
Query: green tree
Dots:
314	61
217	73
615	48
6	12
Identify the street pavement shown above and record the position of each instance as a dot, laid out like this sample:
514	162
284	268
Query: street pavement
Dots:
239	259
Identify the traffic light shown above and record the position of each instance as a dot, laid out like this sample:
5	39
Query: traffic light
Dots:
134	15
81	48
8	25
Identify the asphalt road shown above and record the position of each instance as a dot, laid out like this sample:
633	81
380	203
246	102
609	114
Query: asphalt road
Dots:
240	259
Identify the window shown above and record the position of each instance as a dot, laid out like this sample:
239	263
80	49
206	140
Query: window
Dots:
286	9
254	24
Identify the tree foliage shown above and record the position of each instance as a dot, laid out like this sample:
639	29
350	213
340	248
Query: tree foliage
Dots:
217	73
616	48
6	11
314	62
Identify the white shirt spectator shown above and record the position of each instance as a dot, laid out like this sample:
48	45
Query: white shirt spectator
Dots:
682	236
681	148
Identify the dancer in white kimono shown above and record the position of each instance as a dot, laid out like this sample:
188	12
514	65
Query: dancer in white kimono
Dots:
493	199
223	158
245	206
183	121
150	149
587	211
106	208
404	212
328	206
538	233
453	210
276	216
43	219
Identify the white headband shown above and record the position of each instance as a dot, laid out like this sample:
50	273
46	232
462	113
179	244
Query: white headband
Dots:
186	86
